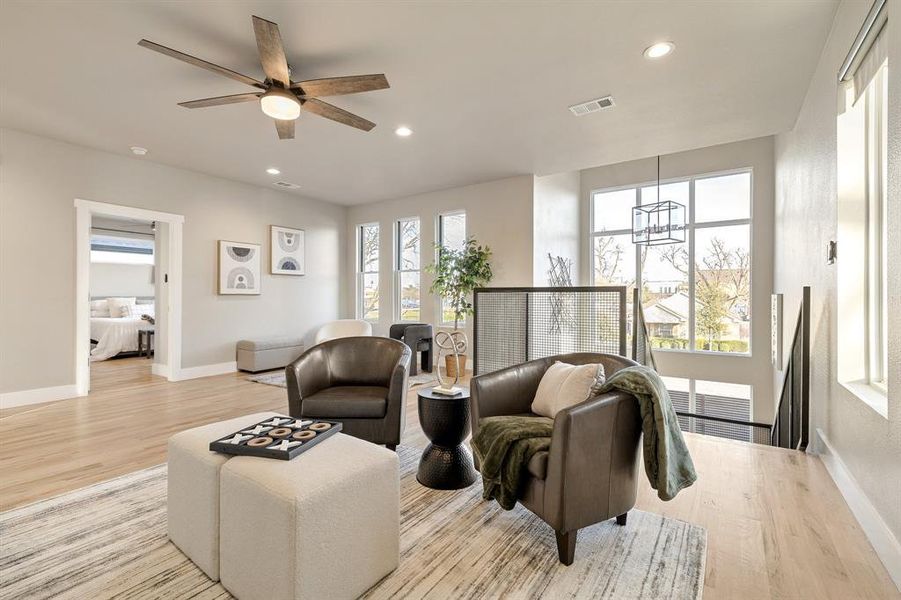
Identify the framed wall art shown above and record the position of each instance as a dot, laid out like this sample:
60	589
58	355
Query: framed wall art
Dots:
287	251
239	268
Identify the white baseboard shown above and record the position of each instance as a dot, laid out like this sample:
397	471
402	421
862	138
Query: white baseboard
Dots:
38	396
160	369
881	537
206	370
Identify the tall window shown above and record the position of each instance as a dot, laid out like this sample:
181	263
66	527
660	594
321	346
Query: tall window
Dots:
451	234
407	290
368	271
877	222
696	294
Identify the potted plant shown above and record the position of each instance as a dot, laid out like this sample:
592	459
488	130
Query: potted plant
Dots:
457	273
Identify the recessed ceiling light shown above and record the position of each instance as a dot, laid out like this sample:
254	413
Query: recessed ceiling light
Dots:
138	150
659	49
273	171
403	131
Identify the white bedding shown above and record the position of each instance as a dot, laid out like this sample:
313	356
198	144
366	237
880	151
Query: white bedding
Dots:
115	335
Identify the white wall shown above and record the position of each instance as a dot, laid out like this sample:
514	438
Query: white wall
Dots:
556	227
498	214
112	279
39	180
758	155
806	219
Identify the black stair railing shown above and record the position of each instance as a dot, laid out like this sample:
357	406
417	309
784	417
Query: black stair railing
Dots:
790	427
791	424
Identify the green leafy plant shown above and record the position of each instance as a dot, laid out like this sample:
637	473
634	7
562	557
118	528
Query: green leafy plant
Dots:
457	273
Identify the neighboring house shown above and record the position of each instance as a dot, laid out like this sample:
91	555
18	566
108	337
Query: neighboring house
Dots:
668	318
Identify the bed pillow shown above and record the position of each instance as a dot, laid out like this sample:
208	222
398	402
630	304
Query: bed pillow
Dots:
99	308
121	307
564	385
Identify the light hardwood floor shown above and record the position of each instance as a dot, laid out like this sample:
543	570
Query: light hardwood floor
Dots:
777	526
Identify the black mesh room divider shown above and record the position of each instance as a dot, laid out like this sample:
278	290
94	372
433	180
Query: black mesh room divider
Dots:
514	325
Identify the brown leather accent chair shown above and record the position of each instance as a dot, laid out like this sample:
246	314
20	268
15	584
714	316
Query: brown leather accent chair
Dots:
359	381
590	472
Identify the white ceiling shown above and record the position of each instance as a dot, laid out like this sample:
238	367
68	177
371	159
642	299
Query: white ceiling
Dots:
484	85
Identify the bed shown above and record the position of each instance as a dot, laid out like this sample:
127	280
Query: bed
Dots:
117	335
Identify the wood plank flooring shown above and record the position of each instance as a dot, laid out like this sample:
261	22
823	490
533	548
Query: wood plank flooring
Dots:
777	526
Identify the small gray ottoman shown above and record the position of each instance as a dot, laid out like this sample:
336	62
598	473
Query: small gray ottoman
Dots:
323	525
193	490
263	354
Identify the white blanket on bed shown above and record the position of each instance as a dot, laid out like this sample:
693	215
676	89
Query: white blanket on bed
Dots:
115	335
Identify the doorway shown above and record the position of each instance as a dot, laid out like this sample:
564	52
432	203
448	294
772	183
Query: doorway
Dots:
146	299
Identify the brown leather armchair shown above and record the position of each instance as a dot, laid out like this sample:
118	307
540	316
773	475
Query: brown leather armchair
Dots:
359	381
590	472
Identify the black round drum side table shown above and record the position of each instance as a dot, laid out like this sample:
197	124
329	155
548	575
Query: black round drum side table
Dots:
446	463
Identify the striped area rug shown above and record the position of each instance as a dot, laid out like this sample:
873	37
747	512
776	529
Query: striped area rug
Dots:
109	541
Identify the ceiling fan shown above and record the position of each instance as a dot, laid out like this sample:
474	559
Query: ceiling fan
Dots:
281	98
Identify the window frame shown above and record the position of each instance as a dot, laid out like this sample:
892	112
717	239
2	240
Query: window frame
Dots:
361	272
690	228
439	237
399	270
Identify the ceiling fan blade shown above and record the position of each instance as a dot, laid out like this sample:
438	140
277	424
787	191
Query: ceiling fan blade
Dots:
197	62
272	52
338	86
285	129
329	111
221	100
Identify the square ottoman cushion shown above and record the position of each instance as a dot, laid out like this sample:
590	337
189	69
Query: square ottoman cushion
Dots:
193	490
323	525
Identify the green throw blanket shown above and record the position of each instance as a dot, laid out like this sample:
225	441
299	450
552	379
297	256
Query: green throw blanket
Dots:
504	445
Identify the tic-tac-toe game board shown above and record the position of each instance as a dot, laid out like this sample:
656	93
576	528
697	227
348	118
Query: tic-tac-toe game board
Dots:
277	437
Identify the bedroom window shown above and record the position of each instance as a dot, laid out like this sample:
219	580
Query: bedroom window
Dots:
406	266
452	235
696	294
368	272
121	250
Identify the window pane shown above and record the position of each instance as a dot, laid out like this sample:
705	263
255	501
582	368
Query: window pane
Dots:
613	210
369	248
723	289
370	300
614	260
409	296
664	293
453	231
408	245
723	198
676	192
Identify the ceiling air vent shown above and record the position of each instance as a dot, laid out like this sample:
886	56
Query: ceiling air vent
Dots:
286	184
592	106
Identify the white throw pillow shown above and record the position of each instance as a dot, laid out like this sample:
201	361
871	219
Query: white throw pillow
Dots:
121	307
564	385
99	308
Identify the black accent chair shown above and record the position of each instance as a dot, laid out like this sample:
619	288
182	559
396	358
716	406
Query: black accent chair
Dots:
418	337
359	381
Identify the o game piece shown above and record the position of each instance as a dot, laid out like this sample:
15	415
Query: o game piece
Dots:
279	432
260	441
320	426
306	434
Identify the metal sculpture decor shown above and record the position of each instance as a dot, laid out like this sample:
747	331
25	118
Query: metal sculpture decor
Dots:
453	343
561	305
660	223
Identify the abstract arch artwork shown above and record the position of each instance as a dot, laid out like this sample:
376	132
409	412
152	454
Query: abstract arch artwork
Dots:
239	268
286	251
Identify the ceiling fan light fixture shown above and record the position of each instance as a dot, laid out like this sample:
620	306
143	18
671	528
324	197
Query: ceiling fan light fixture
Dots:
403	131
280	104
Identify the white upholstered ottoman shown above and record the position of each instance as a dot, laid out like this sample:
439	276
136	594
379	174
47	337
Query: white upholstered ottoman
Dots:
323	525
193	490
267	353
